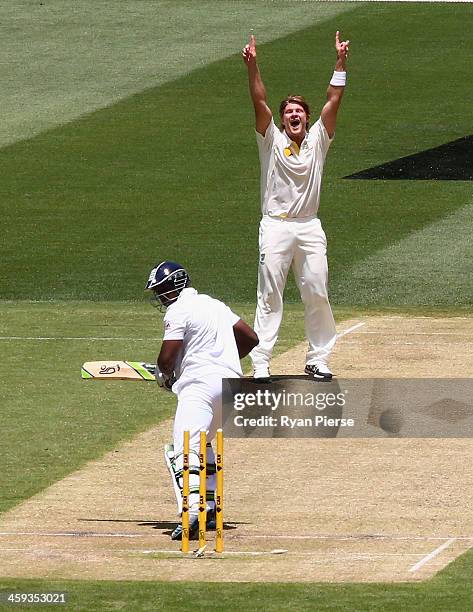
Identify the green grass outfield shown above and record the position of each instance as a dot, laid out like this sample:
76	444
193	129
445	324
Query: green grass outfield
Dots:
128	138
449	590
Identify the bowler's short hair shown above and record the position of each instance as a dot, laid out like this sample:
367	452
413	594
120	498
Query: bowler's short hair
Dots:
294	100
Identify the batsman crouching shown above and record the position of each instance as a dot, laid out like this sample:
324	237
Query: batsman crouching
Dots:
203	343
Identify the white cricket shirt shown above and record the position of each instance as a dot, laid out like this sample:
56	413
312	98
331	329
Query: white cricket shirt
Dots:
206	327
291	178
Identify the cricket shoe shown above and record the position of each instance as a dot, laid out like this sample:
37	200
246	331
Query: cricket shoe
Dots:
261	373
318	370
210	525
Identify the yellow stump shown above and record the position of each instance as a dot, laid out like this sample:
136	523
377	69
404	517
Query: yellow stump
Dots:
202	488
219	493
185	495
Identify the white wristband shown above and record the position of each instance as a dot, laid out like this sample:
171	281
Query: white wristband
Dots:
339	79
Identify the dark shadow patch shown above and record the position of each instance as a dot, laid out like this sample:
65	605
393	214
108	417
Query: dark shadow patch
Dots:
448	162
150	523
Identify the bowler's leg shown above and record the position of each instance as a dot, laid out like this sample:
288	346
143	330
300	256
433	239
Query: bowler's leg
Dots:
311	272
276	251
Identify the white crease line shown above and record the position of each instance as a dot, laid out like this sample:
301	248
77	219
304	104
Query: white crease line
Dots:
350	329
340	335
175	553
71	338
417	318
249	553
431	555
148	551
413	333
73	534
85	534
280	551
351	537
369	555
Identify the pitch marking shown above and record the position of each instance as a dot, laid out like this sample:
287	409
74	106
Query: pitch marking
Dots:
72	534
96	339
248	553
350	329
413	333
432	555
367	536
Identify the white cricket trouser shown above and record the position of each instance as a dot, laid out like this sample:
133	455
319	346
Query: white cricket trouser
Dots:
199	407
301	243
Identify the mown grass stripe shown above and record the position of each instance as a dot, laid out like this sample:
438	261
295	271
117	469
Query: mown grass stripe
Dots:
72	58
433	265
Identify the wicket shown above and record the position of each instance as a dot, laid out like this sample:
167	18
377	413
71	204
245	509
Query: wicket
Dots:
185	494
203	492
219	493
202	488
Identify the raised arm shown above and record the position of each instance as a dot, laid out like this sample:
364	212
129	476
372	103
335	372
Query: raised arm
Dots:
263	113
336	87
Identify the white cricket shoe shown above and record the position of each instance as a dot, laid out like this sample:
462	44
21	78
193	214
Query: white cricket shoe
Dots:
261	372
319	370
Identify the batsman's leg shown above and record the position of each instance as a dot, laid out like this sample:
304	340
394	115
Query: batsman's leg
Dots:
170	460
193	498
194	413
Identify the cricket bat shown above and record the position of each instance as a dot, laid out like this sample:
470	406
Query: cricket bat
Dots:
118	370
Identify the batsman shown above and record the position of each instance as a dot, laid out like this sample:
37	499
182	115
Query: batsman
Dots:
203	342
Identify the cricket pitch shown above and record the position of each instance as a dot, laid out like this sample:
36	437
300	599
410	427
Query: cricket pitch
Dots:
298	510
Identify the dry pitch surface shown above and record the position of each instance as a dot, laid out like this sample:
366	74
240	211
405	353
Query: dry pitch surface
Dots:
295	510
